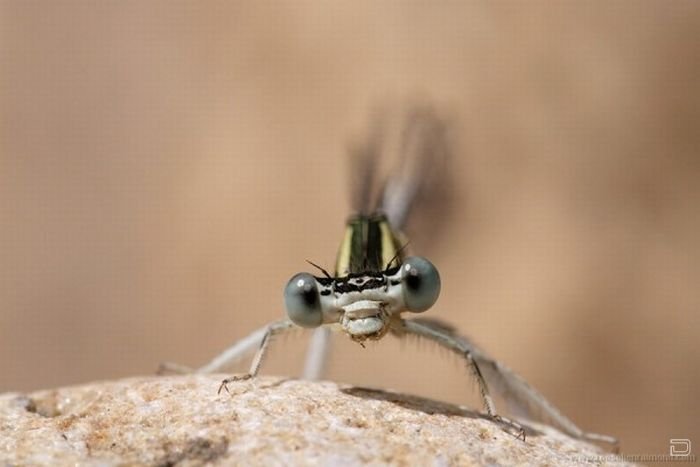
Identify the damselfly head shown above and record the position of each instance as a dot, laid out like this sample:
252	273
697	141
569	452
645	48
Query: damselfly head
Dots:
363	303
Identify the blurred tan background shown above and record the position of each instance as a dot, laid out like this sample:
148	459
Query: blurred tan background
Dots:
166	167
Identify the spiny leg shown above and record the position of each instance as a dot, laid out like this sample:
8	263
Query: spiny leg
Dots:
488	400
223	360
521	398
271	331
445	339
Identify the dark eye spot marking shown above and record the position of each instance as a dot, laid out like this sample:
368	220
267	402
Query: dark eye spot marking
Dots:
413	281
309	296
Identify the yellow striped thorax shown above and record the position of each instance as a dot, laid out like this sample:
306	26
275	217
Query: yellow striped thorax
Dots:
369	245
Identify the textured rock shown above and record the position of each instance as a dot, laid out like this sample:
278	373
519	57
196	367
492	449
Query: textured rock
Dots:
182	420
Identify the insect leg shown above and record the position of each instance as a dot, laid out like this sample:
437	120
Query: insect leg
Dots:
225	359
521	398
268	333
317	355
447	340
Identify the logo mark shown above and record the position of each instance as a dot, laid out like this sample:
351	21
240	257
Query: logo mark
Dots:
679	447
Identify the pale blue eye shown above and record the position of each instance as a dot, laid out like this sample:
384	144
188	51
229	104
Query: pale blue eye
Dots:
303	301
421	283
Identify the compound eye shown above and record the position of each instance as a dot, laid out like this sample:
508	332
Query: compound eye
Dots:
421	283
303	301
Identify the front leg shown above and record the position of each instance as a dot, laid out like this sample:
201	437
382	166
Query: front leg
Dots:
317	354
226	358
269	332
442	336
520	397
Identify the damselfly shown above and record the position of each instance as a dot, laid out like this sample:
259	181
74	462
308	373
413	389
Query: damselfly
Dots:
374	283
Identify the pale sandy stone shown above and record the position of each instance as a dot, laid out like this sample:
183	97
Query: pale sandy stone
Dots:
182	420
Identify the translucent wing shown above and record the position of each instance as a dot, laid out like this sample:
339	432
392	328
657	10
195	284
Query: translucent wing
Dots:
420	172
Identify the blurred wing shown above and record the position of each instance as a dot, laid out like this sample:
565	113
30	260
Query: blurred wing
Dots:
415	142
364	167
420	170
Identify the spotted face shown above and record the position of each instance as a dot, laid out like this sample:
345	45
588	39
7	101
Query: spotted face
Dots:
373	283
363	303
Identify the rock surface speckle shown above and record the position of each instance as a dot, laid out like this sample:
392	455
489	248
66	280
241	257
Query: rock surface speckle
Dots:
182	421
